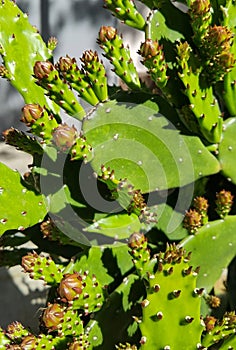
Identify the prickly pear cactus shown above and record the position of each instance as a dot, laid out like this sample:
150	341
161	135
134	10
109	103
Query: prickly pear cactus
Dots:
172	299
21	46
135	172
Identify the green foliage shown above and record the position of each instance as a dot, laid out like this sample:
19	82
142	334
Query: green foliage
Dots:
124	214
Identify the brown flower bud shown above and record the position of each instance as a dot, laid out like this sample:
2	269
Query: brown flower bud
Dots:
53	315
30	113
210	322
64	137
28	261
192	221
136	240
29	342
200	7
201	204
71	286
89	56
65	63
150	48
224	202
106	33
42	69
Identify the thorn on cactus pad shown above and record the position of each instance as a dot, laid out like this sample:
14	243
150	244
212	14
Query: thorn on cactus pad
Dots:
143	340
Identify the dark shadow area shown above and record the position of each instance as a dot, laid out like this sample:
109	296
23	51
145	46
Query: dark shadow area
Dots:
15	306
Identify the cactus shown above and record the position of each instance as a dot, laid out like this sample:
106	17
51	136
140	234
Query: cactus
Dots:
112	44
159	155
21	52
31	207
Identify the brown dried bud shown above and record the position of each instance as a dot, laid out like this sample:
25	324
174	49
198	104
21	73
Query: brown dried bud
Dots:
210	322
224	202
53	315
65	63
71	286
89	56
106	33
192	221
200	7
201	204
136	240
150	48
29	342
30	113
220	36
213	301
28	261
42	69
64	137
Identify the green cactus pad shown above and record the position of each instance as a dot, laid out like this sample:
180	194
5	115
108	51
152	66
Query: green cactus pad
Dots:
145	148
43	268
116	226
29	207
216	236
227	149
172	304
21	46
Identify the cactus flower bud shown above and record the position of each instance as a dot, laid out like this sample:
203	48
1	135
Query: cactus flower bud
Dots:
53	315
42	69
89	56
64	137
66	63
30	113
106	33
52	43
192	221
71	286
136	240
224	202
201	204
149	48
28	261
29	342
210	322
200	7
